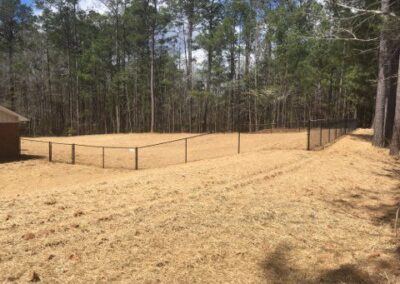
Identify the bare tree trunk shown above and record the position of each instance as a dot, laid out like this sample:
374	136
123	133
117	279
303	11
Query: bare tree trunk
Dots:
76	72
395	143
379	122
391	92
152	55
152	85
77	96
256	74
11	76
69	87
190	54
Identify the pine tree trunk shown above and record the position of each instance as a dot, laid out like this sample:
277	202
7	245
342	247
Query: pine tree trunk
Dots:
152	84
190	55
190	69
395	143
152	74
391	93
379	123
11	76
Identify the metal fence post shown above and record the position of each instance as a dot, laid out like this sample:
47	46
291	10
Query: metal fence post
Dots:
239	141
309	135
329	132
136	158
320	133
73	154
186	152
50	152
103	157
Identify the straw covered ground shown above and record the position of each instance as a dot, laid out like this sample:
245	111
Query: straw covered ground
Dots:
270	216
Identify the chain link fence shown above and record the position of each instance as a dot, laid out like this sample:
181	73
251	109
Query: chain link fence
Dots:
193	148
101	156
321	132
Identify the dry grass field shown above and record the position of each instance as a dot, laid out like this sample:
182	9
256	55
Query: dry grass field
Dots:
199	148
274	215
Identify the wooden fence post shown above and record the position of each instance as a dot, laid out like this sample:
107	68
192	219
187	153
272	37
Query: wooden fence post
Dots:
136	158
239	141
103	158
186	150
73	154
309	135
50	152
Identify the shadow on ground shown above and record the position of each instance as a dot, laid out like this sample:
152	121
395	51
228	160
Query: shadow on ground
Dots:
278	270
21	158
386	212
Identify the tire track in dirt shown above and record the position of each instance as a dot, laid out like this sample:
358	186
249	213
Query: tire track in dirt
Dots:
261	176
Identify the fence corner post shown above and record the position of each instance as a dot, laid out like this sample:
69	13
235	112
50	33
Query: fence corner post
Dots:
308	135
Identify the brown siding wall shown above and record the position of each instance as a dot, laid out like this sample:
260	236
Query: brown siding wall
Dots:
9	141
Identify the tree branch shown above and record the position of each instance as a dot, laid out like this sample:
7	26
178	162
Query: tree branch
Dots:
358	10
344	39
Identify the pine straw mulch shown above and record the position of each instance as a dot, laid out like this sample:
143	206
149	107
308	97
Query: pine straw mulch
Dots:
274	216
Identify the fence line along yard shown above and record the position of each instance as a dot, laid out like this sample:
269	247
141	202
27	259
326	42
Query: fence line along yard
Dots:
78	153
107	156
321	132
191	148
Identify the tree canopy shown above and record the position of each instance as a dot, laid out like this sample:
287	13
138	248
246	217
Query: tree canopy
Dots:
187	65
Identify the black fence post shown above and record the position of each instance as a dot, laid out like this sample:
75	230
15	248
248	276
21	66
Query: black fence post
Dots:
309	135
239	141
186	150
136	158
329	132
73	154
103	157
320	133
50	152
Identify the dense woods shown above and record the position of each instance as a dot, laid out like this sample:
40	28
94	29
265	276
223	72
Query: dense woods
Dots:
187	65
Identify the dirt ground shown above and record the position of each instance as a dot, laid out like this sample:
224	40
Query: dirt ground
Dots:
198	148
269	216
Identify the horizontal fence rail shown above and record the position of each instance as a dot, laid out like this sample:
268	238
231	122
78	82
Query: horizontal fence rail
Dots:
322	132
183	150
